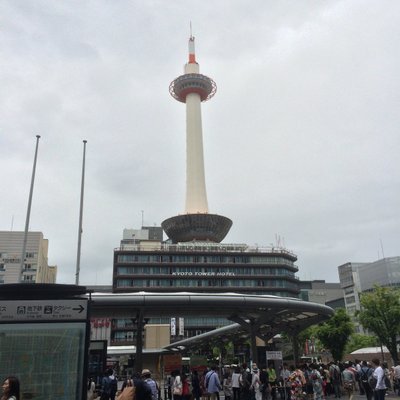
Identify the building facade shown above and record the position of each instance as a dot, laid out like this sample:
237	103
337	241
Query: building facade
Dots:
356	278
321	292
151	265
144	262
35	267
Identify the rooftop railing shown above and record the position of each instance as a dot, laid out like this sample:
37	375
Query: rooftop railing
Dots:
203	246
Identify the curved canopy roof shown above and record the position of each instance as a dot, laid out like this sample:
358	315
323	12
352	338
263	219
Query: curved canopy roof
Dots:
267	315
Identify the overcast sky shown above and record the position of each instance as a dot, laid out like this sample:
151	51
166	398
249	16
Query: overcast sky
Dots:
301	140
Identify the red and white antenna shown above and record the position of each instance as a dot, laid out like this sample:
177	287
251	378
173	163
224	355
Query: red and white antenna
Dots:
192	54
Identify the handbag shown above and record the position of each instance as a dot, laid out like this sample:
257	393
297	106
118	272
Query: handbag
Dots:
348	385
177	390
177	386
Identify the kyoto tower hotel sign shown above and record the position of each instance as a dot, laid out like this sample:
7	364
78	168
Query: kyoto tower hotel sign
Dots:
196	224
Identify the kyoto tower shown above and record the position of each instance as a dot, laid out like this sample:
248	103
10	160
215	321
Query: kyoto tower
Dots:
196	224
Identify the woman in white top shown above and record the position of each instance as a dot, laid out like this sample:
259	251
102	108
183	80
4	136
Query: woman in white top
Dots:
256	383
236	383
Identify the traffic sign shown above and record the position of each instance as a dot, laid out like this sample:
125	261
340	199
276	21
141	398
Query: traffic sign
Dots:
43	310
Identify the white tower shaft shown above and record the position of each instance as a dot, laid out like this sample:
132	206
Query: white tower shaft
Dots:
196	195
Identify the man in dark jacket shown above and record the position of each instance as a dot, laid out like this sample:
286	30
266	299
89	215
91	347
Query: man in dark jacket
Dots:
142	389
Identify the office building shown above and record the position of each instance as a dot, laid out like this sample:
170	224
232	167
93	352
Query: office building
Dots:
321	292
35	266
356	278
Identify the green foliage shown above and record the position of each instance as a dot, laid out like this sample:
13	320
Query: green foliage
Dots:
380	314
359	341
335	333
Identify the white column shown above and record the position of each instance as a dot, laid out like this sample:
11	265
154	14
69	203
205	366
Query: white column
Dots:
196	196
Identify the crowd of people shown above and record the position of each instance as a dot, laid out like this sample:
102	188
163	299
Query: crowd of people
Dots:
311	381
314	381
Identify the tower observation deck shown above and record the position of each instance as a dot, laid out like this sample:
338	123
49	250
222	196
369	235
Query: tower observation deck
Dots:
192	88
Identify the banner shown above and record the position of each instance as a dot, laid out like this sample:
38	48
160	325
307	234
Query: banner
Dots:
173	326
181	326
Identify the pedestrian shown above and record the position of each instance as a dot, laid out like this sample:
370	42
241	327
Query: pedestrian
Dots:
236	383
272	381
146	376
256	382
10	389
91	389
177	387
284	376
396	378
109	385
245	383
196	389
227	386
186	393
142	389
265	388
349	380
335	375
379	375
309	388
298	382
365	373
316	381
213	383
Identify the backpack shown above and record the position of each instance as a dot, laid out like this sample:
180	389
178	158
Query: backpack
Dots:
336	374
372	381
246	379
364	376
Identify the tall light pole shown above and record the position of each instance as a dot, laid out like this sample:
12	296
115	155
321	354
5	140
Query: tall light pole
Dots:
28	212
78	256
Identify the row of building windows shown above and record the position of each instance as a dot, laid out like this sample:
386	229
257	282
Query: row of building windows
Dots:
145	283
216	259
13	258
194	270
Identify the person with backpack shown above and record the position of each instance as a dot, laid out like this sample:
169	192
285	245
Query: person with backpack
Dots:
109	386
334	372
142	389
365	373
146	376
245	383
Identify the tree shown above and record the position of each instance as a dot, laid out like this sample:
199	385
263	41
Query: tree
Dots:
359	341
380	313
335	333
